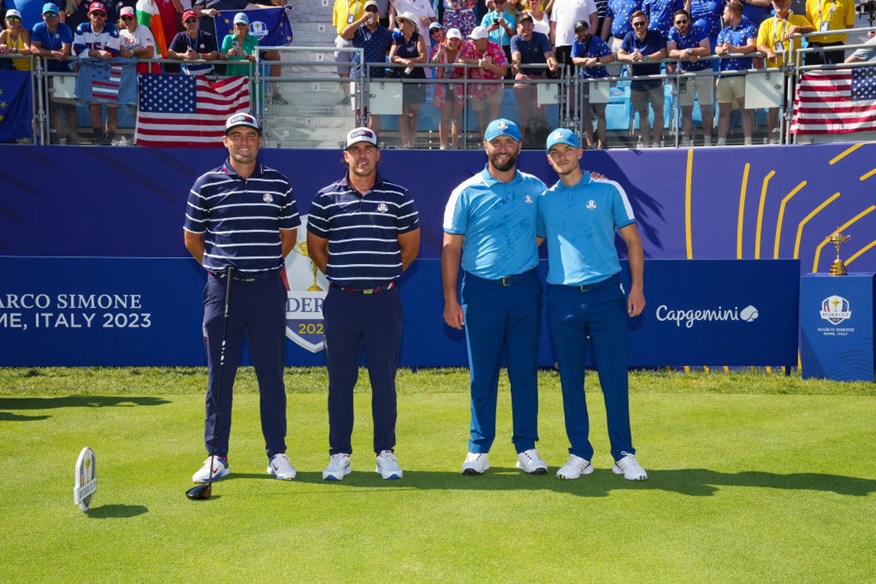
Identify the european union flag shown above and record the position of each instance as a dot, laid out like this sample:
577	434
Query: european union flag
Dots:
16	106
270	25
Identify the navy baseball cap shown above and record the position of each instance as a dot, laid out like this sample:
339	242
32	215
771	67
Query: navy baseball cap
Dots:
562	136
242	119
502	127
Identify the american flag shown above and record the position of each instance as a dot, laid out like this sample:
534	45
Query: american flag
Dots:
839	101
186	111
108	89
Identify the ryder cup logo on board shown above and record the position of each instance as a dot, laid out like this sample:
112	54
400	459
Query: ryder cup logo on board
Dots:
835	309
258	29
307	291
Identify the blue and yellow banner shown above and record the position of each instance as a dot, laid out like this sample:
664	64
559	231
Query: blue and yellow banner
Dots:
269	25
16	106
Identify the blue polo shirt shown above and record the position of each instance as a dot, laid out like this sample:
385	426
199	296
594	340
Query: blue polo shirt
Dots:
531	51
375	44
241	218
737	36
596	47
499	36
578	223
621	11
53	42
691	40
497	221
363	231
661	13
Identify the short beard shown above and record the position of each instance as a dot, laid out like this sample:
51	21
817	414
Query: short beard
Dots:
512	162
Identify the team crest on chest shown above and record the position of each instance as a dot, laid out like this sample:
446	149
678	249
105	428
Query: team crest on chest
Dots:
267	198
382	207
527	199
591	204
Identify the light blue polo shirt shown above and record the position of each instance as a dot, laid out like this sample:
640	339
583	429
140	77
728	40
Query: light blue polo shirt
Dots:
579	223
497	221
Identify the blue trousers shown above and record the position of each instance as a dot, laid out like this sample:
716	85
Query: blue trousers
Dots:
502	317
353	322
257	310
601	313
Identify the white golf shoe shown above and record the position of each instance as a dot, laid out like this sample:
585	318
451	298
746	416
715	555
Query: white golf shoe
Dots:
531	462
630	468
387	465
281	468
220	469
476	463
338	468
576	467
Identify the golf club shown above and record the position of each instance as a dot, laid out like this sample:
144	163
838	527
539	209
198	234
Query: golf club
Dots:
203	492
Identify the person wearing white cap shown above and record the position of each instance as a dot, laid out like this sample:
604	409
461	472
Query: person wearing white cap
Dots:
136	42
14	39
409	49
363	231
422	15
485	98
449	97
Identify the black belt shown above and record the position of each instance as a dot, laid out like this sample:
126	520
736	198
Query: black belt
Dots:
389	286
508	280
237	277
596	286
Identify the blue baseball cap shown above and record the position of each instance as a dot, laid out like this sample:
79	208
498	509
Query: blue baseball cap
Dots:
562	136
49	8
502	127
241	18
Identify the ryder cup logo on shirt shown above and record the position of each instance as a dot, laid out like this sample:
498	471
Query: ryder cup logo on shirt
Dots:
267	198
382	207
591	204
835	309
527	199
307	291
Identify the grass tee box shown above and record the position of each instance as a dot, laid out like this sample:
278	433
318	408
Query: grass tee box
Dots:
752	477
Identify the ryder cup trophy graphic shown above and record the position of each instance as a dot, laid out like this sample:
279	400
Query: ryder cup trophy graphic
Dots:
307	290
838	267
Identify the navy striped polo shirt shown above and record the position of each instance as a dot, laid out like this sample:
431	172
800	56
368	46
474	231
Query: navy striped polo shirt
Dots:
363	231
241	218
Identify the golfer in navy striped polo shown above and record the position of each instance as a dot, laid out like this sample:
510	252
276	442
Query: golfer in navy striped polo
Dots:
242	216
362	232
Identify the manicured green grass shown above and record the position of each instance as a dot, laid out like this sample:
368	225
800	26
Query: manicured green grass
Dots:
753	477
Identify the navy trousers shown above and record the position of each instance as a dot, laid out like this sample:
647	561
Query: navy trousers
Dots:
502	318
258	311
353	322
601	313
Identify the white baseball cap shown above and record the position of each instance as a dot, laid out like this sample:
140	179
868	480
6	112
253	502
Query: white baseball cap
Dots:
454	33
478	33
361	134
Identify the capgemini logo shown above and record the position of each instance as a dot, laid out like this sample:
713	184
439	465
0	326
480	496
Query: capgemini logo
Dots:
689	317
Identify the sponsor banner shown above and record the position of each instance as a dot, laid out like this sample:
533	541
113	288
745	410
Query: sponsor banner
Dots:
836	327
132	311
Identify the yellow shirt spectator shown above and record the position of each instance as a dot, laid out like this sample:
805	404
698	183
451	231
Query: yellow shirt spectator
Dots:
346	12
836	14
772	31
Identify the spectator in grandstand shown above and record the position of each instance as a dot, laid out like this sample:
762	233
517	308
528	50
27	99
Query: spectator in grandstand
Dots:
14	40
643	50
774	41
193	44
617	24
409	49
706	15
737	37
362	232
564	16
660	14
590	53
757	10
239	46
580	218
501	24
77	11
53	40
485	92
344	13
449	98
489	223
690	45
460	14
99	39
423	14
827	15
530	48
137	41
375	40
867	53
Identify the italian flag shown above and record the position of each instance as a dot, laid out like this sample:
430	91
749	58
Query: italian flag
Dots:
148	16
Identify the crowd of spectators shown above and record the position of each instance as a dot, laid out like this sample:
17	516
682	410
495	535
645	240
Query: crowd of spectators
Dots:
520	42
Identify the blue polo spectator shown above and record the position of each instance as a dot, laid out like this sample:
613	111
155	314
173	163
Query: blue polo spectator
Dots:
643	49
739	36
660	13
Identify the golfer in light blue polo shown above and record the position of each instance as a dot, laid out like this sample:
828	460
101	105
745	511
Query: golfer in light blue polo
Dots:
489	222
578	217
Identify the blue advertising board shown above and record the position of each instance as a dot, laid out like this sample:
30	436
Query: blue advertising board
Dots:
148	311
